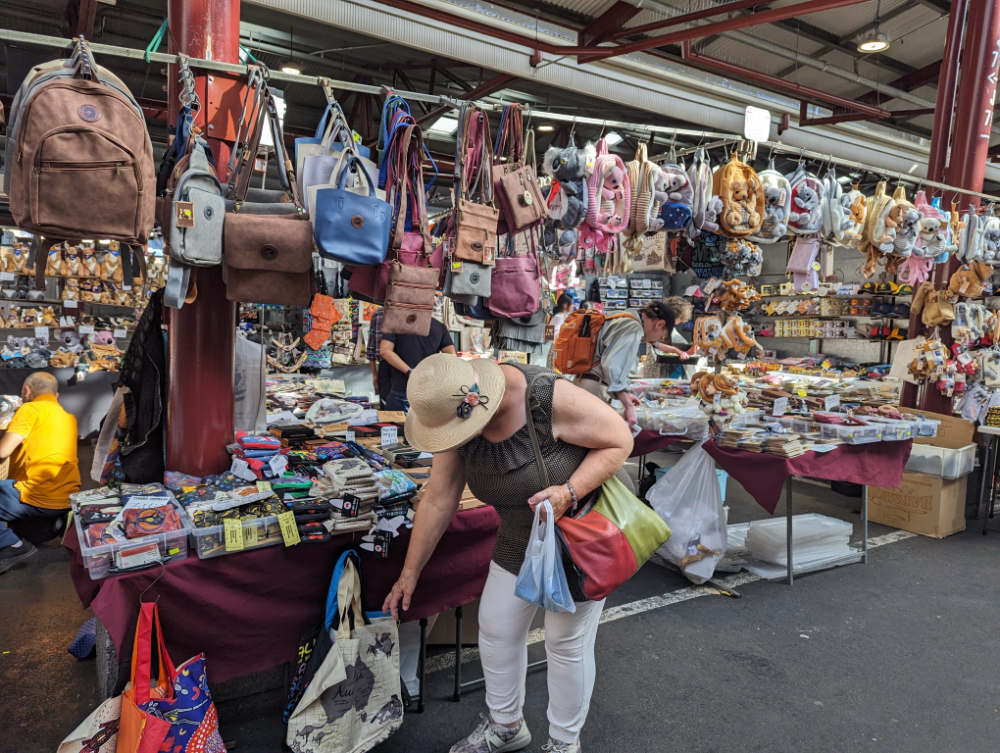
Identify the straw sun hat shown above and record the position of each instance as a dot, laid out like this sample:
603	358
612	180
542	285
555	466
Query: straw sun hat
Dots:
451	400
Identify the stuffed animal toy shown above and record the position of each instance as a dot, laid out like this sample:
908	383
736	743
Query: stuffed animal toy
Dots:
568	166
806	205
88	261
54	263
71	290
673	184
907	231
712	212
112	265
609	201
968	281
48	316
933	238
612	192
20	258
103	338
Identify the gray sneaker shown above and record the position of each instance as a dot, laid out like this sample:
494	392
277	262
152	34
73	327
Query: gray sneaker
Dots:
11	555
489	737
553	747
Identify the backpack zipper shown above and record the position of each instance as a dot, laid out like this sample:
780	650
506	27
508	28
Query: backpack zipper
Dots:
64	129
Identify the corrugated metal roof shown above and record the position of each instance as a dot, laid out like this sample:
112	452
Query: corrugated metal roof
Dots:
592	8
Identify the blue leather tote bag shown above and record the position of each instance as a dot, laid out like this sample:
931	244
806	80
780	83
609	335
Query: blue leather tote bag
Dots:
349	227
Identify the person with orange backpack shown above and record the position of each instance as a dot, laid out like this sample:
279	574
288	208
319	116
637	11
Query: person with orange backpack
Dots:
603	350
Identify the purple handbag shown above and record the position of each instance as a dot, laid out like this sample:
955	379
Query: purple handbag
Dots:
516	287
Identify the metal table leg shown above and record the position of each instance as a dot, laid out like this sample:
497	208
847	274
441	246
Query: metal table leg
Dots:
423	664
989	474
459	613
788	513
642	468
864	524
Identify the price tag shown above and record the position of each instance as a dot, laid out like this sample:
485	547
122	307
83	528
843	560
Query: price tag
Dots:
234	534
241	469
389	435
801	393
70	304
7	277
780	406
86	329
351	506
831	401
350	435
264	486
249	531
717	398
278	464
381	543
289	531
121	334
42	333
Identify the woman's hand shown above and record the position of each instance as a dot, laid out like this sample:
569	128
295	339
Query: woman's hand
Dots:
401	591
558	496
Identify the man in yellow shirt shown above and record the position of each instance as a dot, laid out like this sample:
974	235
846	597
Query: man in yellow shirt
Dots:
41	444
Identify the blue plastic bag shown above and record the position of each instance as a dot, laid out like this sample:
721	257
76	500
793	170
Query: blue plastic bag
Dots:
542	580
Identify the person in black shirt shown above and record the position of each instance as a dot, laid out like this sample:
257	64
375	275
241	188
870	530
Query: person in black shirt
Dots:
404	352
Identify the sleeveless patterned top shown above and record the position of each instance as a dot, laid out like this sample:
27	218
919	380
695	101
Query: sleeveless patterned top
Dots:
505	475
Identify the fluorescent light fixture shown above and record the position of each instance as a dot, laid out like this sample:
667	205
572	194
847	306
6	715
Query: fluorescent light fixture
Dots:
445	125
546	128
280	106
913	169
757	124
104	241
613	138
845	179
873	40
290	68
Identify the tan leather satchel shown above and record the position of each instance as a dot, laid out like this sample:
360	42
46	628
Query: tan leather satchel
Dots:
475	222
516	182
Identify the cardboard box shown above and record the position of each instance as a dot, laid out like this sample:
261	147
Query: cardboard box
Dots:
443	632
927	505
953	433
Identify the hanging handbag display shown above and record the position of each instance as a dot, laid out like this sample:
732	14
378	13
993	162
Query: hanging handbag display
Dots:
612	536
515	183
349	228
267	256
410	288
323	167
475	223
516	285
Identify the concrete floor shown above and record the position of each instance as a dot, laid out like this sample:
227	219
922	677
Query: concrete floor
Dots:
900	655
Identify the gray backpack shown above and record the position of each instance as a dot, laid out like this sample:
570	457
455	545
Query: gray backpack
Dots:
196	221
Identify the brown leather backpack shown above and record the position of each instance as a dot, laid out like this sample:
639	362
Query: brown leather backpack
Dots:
79	160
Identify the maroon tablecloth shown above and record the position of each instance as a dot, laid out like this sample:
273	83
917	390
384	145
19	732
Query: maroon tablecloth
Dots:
763	475
248	611
648	441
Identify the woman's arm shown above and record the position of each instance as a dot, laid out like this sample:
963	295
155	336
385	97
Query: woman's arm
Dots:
587	421
664	348
438	504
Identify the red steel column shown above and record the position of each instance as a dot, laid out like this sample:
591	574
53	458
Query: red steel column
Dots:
202	335
971	128
941	138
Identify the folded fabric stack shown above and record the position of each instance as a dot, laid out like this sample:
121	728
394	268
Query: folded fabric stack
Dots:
743	439
353	476
786	445
331	410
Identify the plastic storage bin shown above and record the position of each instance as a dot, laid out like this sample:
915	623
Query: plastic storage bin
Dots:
851	434
103	560
894	430
942	462
926	427
720	474
211	541
794	424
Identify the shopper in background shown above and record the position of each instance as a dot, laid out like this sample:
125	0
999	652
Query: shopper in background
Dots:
404	352
564	304
381	370
41	444
618	351
473	416
683	309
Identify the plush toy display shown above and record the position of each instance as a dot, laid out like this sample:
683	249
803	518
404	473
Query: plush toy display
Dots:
968	281
806	215
567	166
609	201
777	206
712	212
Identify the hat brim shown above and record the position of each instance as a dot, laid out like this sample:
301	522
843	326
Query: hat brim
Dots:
456	432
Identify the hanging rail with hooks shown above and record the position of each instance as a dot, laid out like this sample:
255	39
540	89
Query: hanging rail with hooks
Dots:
329	84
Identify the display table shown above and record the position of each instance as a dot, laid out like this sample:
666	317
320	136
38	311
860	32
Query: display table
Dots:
763	475
88	399
248	611
648	441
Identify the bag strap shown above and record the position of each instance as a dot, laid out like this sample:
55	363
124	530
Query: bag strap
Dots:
142	664
543	471
251	107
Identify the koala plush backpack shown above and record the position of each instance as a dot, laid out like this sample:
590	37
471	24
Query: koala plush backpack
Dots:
567	166
700	179
855	203
880	230
676	196
609	198
989	238
908	219
836	210
777	206
642	176
742	196
807	202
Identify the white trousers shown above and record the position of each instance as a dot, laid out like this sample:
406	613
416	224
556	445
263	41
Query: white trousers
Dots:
504	621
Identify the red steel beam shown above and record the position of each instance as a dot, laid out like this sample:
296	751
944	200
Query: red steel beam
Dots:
688	17
495	84
608	24
85	16
740	22
926	75
773	82
202	335
850	117
971	129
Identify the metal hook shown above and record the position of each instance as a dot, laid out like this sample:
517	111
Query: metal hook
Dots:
163	569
